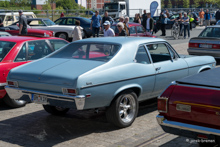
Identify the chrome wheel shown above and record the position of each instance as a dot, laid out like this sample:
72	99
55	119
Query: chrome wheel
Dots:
127	108
63	36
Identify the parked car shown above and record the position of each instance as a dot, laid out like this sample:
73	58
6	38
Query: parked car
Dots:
4	34
18	50
111	72
90	13
135	29
207	43
14	30
71	21
9	18
213	20
190	107
64	32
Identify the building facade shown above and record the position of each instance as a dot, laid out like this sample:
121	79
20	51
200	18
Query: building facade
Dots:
96	4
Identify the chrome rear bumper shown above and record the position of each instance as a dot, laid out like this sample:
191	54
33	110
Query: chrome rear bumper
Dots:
188	127
17	93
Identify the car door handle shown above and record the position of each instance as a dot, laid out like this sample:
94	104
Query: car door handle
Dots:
158	68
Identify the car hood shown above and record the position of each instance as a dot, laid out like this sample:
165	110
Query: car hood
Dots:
53	70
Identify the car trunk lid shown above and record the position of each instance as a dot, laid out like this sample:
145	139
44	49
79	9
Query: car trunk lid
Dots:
204	43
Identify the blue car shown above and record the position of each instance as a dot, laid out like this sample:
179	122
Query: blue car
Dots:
112	72
71	21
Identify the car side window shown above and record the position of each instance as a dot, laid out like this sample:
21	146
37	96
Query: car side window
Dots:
63	22
58	21
9	18
38	49
132	30
36	23
159	52
140	29
22	54
57	44
142	56
69	21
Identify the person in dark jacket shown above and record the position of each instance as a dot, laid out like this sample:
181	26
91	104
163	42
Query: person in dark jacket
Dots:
22	23
144	19
106	18
121	29
217	15
149	23
207	18
164	20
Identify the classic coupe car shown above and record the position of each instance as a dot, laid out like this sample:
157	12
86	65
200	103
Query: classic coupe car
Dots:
65	32
207	43
190	107
135	29
18	50
113	72
14	30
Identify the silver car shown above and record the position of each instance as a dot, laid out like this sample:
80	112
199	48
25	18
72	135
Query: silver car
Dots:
207	43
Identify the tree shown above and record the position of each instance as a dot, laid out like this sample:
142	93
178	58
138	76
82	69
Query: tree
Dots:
169	4
67	4
196	3
185	3
46	6
162	4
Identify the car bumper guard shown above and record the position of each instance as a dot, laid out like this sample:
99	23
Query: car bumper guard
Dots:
17	93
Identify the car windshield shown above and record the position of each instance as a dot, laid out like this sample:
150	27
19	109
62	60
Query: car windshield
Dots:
212	32
5	47
49	22
111	7
87	51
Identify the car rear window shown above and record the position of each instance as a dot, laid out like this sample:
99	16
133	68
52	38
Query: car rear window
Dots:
5	47
212	32
87	51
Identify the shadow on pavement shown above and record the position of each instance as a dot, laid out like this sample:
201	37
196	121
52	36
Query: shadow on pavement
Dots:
42	129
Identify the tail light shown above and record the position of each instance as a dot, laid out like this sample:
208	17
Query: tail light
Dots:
194	45
67	91
162	104
216	46
13	83
162	100
197	19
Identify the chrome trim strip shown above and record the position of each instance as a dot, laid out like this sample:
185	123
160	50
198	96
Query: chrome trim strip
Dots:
17	93
3	84
198	86
183	126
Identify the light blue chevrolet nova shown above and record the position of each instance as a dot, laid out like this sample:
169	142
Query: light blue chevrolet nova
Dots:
115	73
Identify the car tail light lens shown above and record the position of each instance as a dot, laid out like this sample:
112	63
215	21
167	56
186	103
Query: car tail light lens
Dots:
197	19
68	91
162	104
194	45
13	83
216	46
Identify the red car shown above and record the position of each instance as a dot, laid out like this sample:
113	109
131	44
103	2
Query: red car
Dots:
190	107
135	29
18	50
14	30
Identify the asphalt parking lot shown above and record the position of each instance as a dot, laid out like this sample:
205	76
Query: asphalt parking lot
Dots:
31	126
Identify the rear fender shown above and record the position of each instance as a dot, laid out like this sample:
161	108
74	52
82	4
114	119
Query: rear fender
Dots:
130	86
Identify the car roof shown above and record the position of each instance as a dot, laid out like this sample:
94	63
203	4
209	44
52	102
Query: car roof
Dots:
37	18
23	38
122	40
215	26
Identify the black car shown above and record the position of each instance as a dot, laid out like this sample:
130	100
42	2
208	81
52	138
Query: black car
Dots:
84	23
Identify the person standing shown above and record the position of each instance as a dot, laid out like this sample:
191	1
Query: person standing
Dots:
77	32
122	20
62	14
164	20
207	18
1	22
186	25
95	25
217	15
137	19
121	30
201	16
144	19
108	32
107	18
22	23
149	23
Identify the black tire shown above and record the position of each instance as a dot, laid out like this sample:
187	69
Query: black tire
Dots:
125	98
85	34
55	110
62	35
14	103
